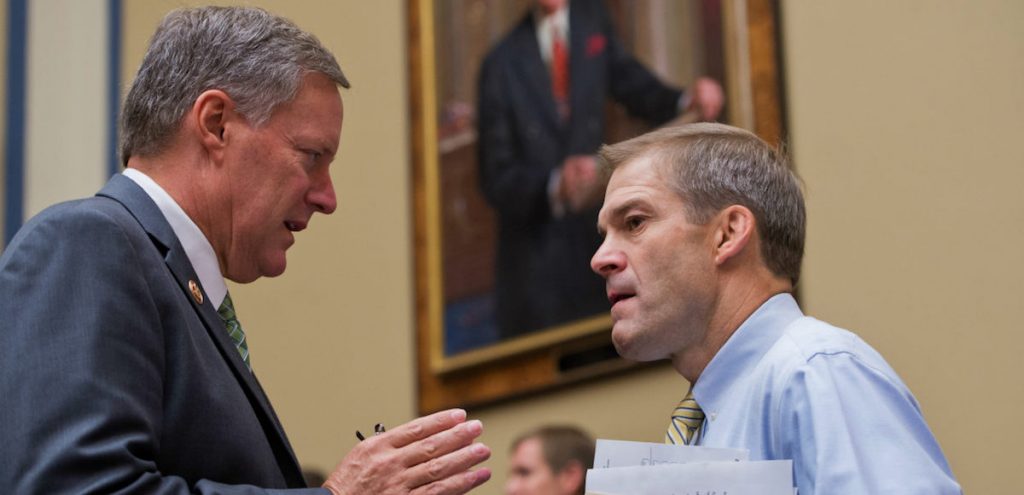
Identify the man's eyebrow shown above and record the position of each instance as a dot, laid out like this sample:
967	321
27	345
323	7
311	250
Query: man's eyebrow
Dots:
627	205
315	143
325	147
619	211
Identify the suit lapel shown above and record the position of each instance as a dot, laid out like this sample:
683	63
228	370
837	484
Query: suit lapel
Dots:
535	73
579	78
589	58
149	216
180	266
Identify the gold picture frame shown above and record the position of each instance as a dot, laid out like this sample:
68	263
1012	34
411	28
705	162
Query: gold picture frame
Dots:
579	349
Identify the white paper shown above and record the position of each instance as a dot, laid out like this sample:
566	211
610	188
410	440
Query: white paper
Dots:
620	453
700	478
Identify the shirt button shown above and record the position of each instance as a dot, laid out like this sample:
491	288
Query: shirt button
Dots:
712	416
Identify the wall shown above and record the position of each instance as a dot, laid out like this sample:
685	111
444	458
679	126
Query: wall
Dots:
905	122
65	157
66	113
902	121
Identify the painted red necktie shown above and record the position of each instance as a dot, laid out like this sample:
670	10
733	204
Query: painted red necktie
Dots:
560	73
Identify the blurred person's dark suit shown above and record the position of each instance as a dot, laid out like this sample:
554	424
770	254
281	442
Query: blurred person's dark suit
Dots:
543	275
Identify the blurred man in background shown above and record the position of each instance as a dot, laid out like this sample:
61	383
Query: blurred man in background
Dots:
551	460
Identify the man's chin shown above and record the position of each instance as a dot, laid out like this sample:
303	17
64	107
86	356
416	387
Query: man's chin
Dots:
268	268
631	344
625	344
274	268
244	277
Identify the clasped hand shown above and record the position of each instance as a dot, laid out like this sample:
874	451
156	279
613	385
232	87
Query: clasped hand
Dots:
582	186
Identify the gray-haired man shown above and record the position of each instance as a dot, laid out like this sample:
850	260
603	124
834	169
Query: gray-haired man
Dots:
123	368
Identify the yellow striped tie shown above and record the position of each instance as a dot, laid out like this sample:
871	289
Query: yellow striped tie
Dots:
686	419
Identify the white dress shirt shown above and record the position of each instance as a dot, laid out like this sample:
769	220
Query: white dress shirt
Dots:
197	247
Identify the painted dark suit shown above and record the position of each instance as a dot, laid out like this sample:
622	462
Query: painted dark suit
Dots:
114	378
543	265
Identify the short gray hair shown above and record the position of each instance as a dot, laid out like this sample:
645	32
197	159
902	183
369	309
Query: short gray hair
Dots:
257	58
713	166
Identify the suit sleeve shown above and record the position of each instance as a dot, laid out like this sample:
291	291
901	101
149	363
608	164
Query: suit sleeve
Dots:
635	87
517	190
81	353
852	429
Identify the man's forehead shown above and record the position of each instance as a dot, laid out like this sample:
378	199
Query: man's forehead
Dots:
529	444
637	177
637	168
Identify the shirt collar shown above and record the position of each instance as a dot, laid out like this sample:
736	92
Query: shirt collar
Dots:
744	349
197	247
543	24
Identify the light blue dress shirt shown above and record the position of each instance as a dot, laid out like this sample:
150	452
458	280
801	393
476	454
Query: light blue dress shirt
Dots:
787	386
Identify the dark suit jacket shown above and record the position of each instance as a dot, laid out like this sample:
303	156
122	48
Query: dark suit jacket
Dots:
543	274
113	378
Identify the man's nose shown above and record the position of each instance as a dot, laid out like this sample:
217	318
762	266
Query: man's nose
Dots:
511	486
607	260
321	195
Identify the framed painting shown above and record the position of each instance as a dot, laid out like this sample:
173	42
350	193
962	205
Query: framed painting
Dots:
466	356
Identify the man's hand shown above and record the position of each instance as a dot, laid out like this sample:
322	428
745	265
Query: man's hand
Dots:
706	98
581	185
429	455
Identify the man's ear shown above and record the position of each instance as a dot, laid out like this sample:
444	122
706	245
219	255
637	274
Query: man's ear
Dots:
571	478
734	228
211	113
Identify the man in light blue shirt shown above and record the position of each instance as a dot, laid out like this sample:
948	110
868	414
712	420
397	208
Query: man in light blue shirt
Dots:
703	237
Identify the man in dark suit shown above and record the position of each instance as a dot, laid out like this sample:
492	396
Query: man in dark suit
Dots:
541	119
123	368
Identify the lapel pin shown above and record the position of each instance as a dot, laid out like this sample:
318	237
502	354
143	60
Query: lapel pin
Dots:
196	293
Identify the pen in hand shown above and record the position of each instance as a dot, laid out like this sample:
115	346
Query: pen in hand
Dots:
377	430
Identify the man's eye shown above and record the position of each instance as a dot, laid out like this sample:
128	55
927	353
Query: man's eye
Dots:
634	223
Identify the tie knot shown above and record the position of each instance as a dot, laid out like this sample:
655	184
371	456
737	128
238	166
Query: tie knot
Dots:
686	421
688	408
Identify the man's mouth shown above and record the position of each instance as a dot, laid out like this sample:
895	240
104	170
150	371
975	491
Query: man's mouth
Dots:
614	297
295	225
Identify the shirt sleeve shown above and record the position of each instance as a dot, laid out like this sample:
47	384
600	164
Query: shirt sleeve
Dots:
852	427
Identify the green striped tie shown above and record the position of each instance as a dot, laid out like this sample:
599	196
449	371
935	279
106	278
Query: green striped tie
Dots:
686	419
234	328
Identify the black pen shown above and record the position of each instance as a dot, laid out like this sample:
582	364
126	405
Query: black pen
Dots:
377	430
